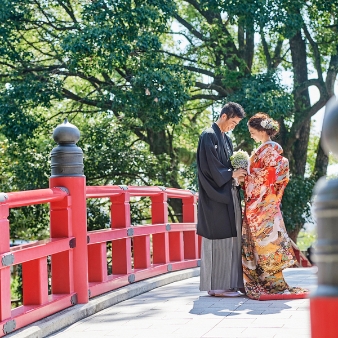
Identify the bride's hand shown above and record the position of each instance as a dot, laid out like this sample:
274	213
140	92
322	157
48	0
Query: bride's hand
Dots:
241	179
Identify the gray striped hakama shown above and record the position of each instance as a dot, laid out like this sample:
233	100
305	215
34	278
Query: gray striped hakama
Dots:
221	261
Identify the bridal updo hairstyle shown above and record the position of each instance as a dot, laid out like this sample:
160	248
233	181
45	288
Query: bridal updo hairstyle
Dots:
263	122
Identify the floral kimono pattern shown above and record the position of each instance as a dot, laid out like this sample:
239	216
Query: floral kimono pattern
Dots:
266	247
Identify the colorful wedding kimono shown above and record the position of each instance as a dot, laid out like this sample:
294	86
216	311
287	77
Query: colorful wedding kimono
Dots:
266	247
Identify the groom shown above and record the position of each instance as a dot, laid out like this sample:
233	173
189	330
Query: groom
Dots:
219	212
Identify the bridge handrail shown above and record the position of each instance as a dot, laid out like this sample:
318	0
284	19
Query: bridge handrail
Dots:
113	190
138	252
141	251
30	197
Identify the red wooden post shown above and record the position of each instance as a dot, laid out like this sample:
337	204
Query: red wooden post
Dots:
189	209
62	272
61	263
67	172
176	250
78	222
121	252
5	273
120	210
190	237
141	246
120	218
97	262
35	282
159	215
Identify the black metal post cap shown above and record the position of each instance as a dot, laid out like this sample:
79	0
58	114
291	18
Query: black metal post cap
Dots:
66	133
67	157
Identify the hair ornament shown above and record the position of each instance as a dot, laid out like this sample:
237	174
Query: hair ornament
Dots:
269	124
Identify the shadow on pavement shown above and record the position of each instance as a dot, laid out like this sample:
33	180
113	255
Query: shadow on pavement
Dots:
239	306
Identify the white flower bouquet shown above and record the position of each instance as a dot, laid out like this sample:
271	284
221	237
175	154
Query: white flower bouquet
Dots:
240	159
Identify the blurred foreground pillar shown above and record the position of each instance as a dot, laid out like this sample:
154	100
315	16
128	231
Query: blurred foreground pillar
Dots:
324	301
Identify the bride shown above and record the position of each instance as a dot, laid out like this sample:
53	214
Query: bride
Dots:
266	247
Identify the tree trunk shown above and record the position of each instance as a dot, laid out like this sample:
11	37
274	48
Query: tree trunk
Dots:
302	101
293	234
322	162
282	137
159	144
240	36
157	141
300	149
249	43
176	205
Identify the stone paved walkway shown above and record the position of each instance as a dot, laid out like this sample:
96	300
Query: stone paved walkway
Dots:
181	310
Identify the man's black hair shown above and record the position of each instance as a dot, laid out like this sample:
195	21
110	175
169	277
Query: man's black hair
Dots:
232	109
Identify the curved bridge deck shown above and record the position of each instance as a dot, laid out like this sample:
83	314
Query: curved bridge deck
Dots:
179	309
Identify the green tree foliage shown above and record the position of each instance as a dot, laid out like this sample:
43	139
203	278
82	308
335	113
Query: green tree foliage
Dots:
141	79
230	62
99	63
298	195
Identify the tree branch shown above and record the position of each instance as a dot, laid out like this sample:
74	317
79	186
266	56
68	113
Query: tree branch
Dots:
120	72
69	11
185	58
190	28
70	95
92	79
211	86
7	64
47	17
266	50
33	45
140	135
199	109
316	53
332	73
185	35
306	114
200	71
67	112
277	58
206	97
42	24
305	85
209	15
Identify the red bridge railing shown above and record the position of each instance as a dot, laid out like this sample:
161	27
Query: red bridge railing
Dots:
143	251
78	259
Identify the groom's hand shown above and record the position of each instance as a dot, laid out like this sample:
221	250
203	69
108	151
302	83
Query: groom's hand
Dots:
239	174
